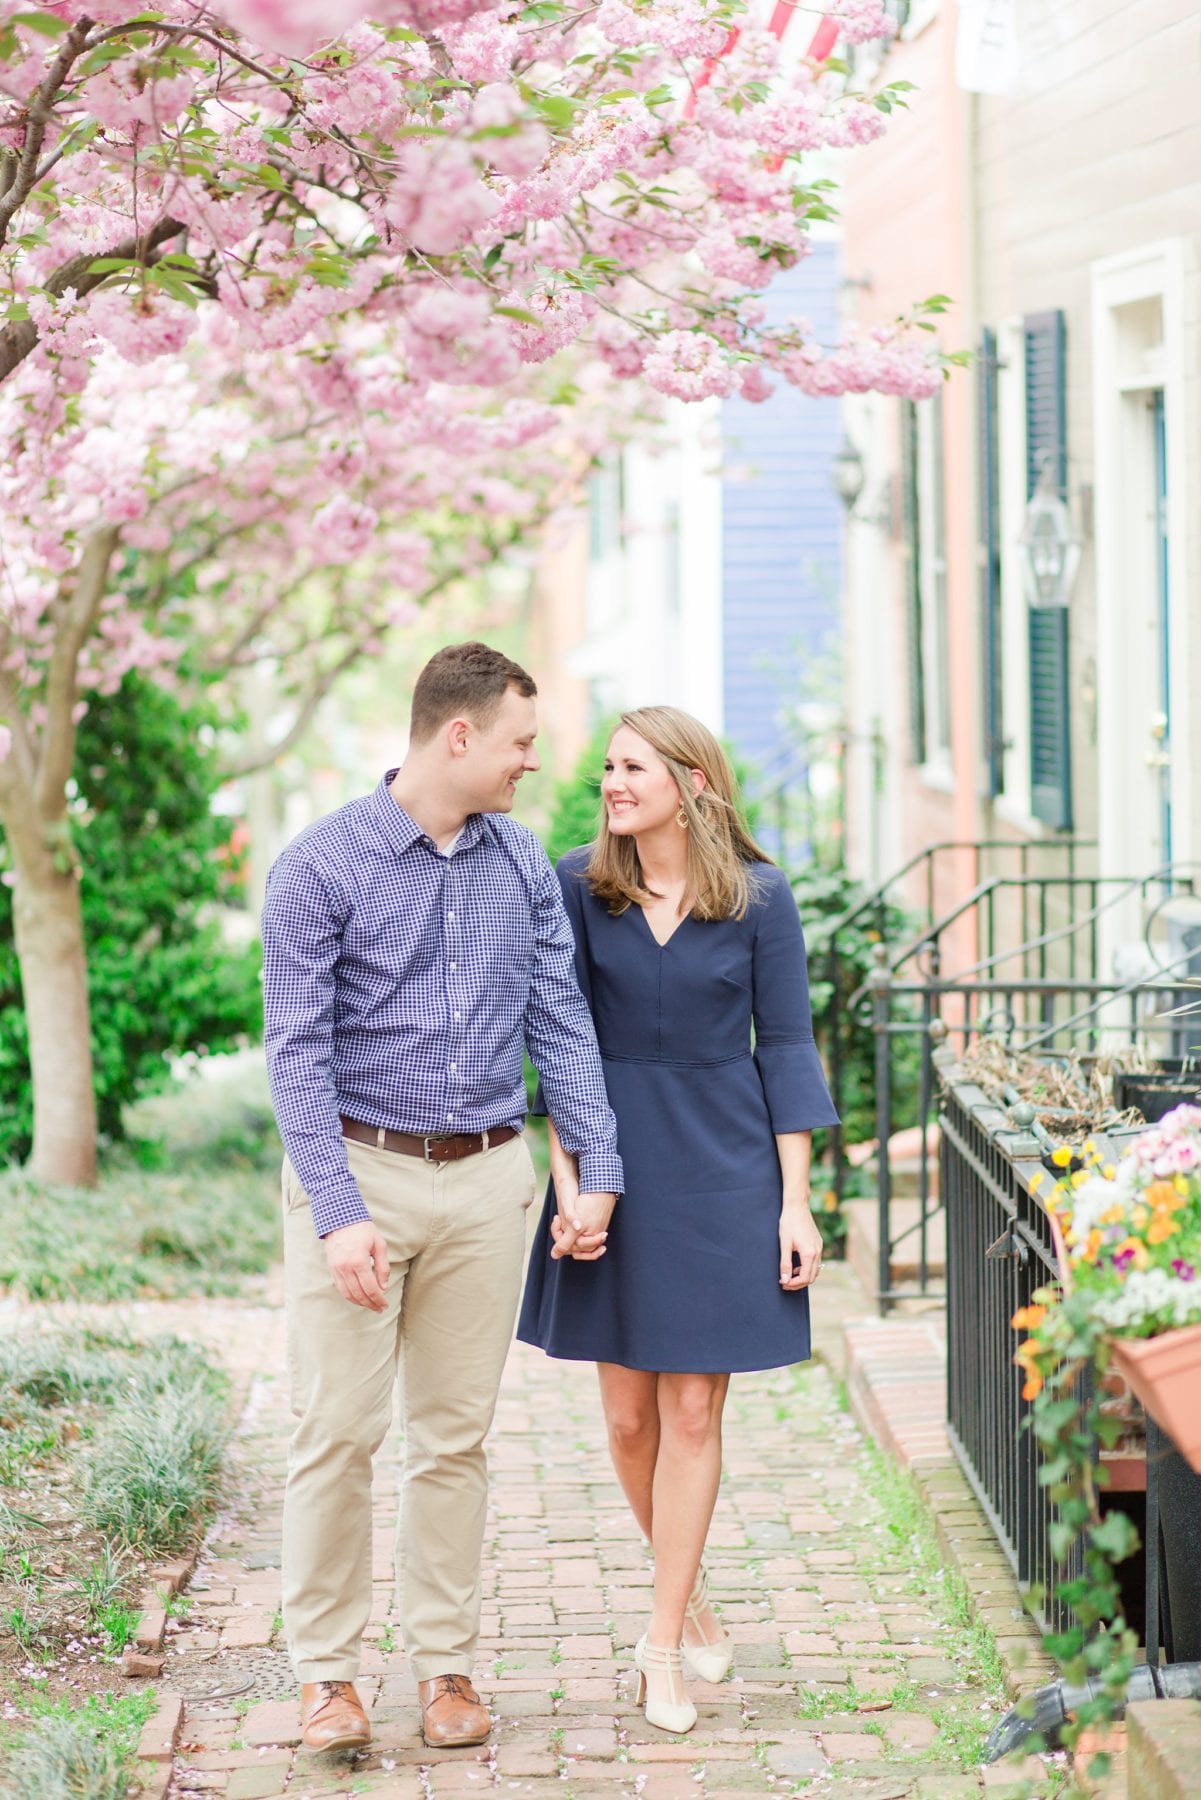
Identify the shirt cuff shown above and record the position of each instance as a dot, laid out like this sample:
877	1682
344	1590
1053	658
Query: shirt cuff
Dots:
601	1172
343	1207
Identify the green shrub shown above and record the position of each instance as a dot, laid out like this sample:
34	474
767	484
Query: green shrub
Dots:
78	1752
155	869
824	896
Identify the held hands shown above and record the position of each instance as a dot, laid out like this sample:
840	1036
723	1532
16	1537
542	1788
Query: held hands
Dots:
581	1225
358	1261
799	1234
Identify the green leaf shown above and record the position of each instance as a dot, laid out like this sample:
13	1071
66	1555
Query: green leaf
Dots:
46	23
516	312
1115	1537
1060	1537
108	265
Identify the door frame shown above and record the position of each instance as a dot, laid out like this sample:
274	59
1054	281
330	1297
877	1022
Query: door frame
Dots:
1154	272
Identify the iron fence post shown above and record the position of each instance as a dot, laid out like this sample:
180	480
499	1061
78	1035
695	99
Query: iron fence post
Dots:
879	983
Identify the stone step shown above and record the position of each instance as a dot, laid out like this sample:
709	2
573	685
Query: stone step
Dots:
1163	1754
863	1242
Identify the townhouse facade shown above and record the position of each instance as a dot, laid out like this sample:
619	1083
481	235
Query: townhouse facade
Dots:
1062	213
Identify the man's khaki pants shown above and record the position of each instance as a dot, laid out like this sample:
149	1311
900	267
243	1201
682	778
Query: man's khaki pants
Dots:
455	1236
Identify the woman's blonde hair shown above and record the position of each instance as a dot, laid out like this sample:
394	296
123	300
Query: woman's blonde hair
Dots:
720	848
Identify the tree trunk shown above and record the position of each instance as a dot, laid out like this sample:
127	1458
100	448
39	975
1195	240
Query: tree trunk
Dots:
47	911
48	930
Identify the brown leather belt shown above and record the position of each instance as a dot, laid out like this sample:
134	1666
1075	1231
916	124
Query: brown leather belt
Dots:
429	1149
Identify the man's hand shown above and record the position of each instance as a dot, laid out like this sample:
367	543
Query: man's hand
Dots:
580	1230
358	1261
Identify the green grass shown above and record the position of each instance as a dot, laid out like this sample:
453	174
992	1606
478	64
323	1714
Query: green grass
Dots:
111	1449
74	1751
190	1205
899	1547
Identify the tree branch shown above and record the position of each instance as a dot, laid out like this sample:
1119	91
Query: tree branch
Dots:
322	682
18	338
40	109
73	620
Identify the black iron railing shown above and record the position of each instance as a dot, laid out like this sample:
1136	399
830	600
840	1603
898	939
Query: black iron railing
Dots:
902	914
1042	994
999	1252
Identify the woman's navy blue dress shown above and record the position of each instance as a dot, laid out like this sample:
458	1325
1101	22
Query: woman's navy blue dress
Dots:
690	1279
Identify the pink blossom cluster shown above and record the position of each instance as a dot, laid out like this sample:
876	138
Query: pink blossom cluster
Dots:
859	21
690	365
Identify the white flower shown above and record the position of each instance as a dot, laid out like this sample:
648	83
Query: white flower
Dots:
1151	1295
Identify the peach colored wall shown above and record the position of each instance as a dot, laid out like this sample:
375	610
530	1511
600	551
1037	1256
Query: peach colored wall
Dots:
903	210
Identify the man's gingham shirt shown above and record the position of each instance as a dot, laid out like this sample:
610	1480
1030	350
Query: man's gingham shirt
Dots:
399	985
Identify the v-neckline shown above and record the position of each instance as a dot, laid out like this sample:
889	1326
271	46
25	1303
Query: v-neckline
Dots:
667	940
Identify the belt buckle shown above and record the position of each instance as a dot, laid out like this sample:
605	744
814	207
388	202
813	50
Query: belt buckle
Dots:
425	1148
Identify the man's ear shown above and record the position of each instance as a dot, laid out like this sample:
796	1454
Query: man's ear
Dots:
457	734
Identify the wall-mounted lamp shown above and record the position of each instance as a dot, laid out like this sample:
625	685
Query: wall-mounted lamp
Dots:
848	477
1050	544
847	473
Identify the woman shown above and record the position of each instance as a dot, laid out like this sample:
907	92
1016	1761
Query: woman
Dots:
686	935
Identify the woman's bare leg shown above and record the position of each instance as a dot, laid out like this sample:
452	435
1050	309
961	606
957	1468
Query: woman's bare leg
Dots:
628	1397
687	1473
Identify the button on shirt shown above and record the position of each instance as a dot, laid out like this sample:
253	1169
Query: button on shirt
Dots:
399	984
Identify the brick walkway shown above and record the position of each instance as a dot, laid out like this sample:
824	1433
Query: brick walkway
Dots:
848	1678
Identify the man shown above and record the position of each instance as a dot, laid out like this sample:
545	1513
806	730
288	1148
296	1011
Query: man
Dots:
412	940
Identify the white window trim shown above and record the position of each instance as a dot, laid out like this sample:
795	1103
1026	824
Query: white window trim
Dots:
936	652
921	14
1014	803
1153	272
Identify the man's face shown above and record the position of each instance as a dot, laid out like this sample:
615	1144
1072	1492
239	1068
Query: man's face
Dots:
499	756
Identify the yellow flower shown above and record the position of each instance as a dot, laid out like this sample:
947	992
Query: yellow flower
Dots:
1061	1157
829	1201
1112	1215
1180	1183
1109	1171
1139	1217
1092	1245
1037	1179
1079	1177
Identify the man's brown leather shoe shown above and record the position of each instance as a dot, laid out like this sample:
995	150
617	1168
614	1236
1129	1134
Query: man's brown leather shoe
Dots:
332	1716
452	1713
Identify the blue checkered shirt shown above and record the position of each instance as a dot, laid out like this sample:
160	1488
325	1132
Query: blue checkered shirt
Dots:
399	985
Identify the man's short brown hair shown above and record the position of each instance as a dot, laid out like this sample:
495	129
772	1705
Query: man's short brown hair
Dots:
464	681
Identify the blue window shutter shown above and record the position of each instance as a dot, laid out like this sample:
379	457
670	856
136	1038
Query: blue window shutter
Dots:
989	526
1047	441
911	550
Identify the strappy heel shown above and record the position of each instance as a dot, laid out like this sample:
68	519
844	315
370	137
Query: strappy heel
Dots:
666	1715
713	1660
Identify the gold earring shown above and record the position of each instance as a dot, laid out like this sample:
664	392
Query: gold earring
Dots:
682	818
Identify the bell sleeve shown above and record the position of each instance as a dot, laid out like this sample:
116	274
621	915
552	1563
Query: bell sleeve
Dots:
790	1069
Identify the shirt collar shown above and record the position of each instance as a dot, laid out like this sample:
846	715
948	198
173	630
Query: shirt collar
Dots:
402	832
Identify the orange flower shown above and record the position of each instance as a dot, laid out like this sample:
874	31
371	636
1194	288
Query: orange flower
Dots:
1137	1249
1162	1193
1161	1229
1032	1387
1028	1318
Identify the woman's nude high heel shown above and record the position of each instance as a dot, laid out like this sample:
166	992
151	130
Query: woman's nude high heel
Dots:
675	1715
710	1661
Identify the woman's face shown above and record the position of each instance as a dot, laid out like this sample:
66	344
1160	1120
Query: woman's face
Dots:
638	788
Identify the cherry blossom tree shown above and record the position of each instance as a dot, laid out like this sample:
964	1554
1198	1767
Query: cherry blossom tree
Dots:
285	292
